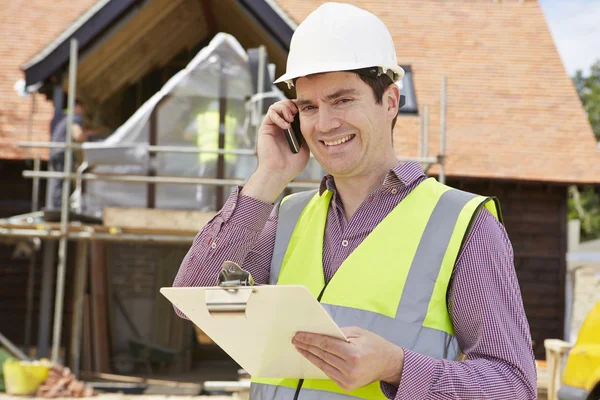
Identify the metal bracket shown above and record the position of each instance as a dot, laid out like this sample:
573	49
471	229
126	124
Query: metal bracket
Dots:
220	300
233	290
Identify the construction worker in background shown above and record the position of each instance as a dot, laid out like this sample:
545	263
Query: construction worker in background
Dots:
207	126
79	133
419	275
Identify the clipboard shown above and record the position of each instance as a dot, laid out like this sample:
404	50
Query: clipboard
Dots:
255	324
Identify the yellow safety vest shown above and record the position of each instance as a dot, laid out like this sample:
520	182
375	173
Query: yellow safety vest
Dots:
393	284
207	136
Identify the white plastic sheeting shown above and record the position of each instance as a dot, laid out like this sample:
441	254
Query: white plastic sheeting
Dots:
186	113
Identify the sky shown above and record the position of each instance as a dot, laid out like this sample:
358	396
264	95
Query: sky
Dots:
575	26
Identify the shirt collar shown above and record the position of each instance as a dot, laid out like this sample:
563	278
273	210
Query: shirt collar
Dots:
402	174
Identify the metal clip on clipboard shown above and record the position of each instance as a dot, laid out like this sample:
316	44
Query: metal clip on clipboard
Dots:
233	290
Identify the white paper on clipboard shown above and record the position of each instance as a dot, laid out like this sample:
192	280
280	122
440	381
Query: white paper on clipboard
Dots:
259	336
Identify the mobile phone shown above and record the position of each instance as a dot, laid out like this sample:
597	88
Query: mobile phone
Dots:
293	134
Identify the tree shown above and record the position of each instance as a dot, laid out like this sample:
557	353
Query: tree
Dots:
585	205
588	88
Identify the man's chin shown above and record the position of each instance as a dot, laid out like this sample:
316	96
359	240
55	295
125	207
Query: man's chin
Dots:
344	172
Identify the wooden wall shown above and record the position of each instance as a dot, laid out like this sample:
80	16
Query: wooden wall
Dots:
15	198
536	221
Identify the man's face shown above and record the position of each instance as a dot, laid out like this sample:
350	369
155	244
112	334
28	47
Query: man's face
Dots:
348	133
78	109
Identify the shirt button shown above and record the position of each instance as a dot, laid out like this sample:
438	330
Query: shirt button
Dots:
345	243
394	191
213	245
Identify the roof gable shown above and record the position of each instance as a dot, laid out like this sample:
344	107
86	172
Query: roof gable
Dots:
512	110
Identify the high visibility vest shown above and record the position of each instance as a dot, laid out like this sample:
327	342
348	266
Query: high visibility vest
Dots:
207	136
393	284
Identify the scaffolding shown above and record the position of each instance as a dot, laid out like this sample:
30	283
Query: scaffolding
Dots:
32	225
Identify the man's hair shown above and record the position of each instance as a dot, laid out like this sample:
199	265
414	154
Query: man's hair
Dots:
378	84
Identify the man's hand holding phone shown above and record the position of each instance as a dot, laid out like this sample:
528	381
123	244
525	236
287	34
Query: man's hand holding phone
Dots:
277	162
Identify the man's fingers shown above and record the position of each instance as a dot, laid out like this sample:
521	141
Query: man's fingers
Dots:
285	108
276	119
286	111
327	343
289	116
331	359
332	372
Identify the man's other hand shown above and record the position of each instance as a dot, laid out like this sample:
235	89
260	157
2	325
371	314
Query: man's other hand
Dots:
363	359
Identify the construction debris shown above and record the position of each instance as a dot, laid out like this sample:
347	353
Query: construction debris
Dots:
61	382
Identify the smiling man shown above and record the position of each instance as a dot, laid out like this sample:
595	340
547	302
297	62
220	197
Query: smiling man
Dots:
419	275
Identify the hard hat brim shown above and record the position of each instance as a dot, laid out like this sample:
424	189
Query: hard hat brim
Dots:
289	77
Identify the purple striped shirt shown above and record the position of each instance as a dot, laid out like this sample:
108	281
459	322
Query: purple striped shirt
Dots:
484	297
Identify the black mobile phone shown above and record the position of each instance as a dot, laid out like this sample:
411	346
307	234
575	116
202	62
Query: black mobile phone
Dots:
293	134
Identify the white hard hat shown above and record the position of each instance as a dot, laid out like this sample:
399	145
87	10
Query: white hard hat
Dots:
340	37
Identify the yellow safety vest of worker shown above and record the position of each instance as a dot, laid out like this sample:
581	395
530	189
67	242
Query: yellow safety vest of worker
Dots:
207	134
393	284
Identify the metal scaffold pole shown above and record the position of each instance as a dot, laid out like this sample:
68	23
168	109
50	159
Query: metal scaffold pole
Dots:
64	215
442	156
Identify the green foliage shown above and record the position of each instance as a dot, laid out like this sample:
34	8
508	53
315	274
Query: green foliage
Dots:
585	205
588	88
4	356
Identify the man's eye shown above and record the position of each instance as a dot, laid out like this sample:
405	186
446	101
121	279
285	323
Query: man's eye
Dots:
307	108
342	101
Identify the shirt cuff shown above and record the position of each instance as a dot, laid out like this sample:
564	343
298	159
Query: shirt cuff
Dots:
245	211
417	375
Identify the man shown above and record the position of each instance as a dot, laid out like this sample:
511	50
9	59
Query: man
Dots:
419	275
57	155
207	124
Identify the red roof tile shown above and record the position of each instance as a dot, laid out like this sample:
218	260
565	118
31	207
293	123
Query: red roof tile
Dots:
27	27
513	111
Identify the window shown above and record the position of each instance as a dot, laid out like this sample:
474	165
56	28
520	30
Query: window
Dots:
407	89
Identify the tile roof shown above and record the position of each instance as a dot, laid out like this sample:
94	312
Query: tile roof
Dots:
513	112
27	27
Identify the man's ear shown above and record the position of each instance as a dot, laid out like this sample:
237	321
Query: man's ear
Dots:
391	98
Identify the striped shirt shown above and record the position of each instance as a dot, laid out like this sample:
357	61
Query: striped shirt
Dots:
484	298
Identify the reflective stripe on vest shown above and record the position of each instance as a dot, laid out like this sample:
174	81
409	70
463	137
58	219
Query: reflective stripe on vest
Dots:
286	222
393	284
268	392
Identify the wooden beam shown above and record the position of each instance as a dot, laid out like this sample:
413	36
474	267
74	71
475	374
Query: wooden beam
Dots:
247	30
221	158
86	341
150	54
98	279
81	267
128	37
209	16
46	297
135	379
562	262
143	218
153	135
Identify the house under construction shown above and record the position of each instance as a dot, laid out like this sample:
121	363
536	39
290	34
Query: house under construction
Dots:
179	87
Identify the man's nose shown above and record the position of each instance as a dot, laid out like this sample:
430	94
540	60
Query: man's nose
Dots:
328	120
